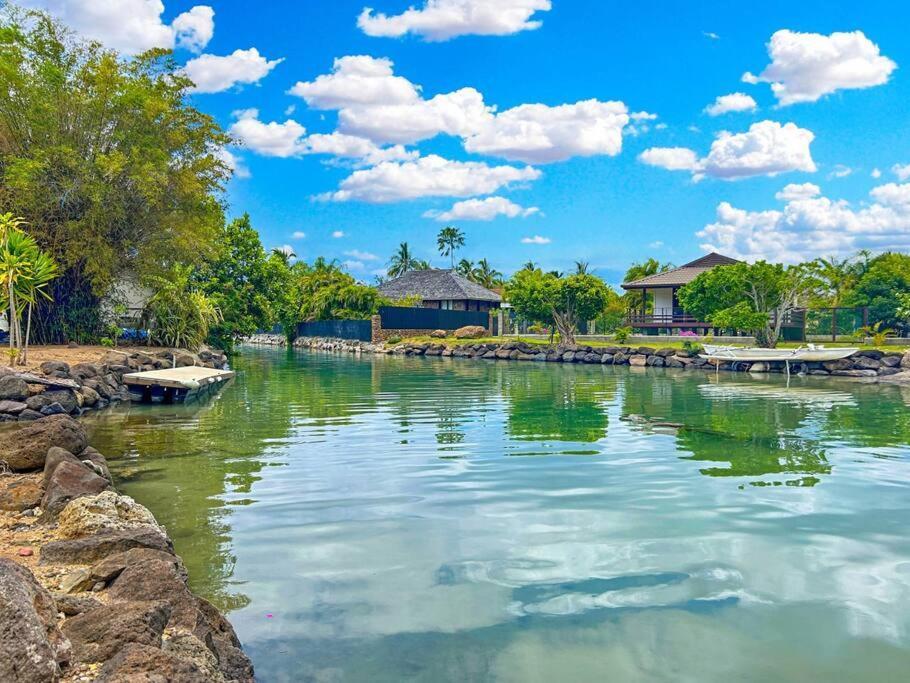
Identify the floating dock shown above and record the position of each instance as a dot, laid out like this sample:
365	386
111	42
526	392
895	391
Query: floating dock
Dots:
175	385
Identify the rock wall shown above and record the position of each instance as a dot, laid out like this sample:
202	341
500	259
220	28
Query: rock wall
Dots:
59	389
867	363
90	587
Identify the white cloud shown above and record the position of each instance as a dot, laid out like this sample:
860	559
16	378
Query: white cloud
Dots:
212	73
460	113
287	250
353	147
269	139
290	109
132	26
445	19
795	191
430	176
374	103
536	239
876	173
353	265
482	210
807	66
656	244
337	234
810	226
537	133
902	171
361	255
736	101
298	235
194	29
767	148
840	171
670	158
356	80
289	139
711	35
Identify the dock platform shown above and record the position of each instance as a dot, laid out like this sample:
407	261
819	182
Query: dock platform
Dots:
175	385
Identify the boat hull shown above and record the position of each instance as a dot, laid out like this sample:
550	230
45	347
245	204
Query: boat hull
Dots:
754	355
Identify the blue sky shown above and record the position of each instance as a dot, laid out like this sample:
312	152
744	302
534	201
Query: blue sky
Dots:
572	181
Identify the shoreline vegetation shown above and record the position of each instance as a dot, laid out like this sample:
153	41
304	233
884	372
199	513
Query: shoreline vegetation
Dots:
868	363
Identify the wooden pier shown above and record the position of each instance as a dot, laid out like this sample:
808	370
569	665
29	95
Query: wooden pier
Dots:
175	385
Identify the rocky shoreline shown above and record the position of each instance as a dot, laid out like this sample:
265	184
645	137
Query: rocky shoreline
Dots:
870	364
90	586
57	388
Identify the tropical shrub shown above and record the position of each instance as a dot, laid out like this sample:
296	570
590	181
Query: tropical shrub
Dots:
622	334
178	315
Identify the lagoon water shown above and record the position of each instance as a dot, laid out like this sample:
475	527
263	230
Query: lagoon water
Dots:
426	519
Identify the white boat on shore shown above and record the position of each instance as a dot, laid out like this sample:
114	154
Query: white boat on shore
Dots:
802	354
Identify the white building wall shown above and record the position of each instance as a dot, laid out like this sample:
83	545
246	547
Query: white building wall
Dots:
663	300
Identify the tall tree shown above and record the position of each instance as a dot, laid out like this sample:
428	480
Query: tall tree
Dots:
486	275
832	279
561	301
582	267
106	160
885	278
403	261
753	297
448	241
465	268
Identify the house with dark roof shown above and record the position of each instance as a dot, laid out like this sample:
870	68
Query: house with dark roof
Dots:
443	289
664	313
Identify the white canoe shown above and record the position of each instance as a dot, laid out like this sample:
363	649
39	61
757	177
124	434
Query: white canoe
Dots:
812	352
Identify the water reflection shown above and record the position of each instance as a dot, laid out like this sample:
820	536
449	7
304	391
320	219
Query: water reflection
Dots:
370	505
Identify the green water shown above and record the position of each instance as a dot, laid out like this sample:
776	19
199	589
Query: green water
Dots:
427	519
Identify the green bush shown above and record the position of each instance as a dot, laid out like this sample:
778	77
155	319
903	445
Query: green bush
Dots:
622	334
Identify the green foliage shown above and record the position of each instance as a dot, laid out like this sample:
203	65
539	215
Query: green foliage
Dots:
613	314
393	340
107	342
403	261
561	301
752	297
324	291
884	279
878	332
244	283
107	161
448	241
179	315
692	346
25	275
622	334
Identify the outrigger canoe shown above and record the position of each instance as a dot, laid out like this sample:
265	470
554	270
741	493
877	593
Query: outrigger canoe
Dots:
802	354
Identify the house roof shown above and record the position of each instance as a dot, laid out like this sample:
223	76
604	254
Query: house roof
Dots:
436	285
677	277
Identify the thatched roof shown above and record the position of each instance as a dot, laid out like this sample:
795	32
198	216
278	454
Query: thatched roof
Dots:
677	277
436	285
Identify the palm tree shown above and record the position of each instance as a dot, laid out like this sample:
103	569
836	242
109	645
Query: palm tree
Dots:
582	267
486	276
448	241
530	265
465	268
835	278
403	260
284	253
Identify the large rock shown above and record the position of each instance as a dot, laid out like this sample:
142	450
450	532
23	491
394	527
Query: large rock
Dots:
158	579
56	456
12	407
107	511
638	359
189	648
143	663
905	360
71	605
213	628
470	332
839	364
99	634
866	363
13	389
55	367
26	448
31	647
93	548
113	566
69	482
21	492
65	397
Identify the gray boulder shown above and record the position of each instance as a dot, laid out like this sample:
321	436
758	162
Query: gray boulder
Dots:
31	647
98	546
99	634
13	388
68	482
136	662
12	407
26	448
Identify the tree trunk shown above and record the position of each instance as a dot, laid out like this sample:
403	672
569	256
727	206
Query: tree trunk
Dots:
28	331
565	324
